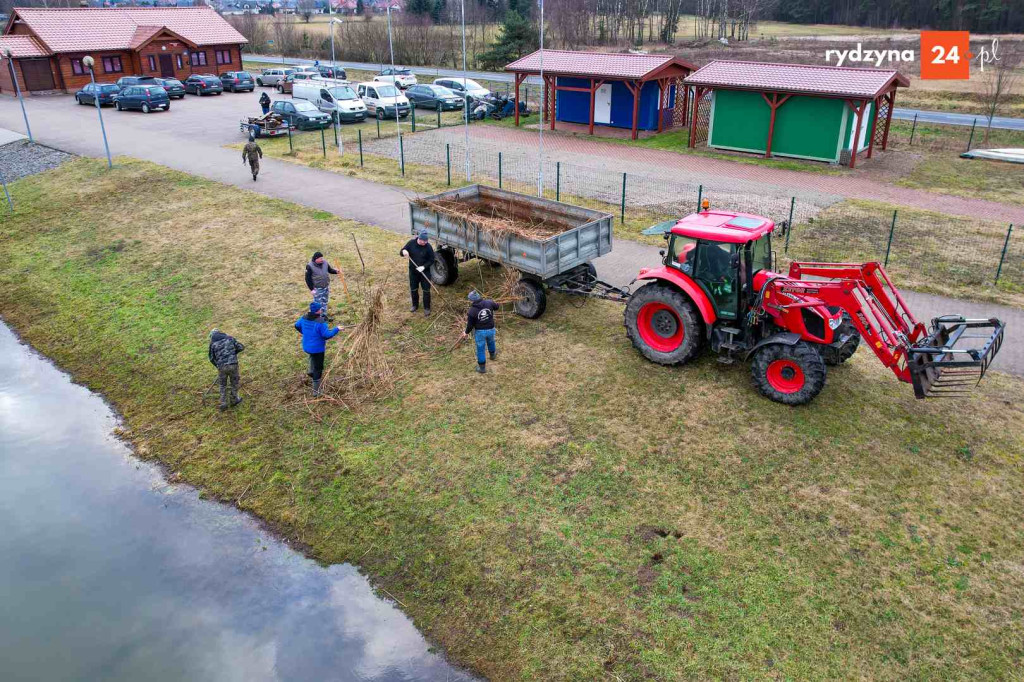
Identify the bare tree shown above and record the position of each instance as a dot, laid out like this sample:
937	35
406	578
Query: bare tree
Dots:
1000	79
306	9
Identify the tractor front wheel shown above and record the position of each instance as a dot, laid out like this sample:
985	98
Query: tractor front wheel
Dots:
663	325
791	375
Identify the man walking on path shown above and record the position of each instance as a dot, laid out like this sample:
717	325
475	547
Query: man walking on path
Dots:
223	354
265	103
481	319
318	279
420	255
252	153
315	333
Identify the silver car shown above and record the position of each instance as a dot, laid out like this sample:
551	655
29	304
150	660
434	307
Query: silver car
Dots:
271	77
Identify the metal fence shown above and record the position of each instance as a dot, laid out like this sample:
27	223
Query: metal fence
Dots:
921	249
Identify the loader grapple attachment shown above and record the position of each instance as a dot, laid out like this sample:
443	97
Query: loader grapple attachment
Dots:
953	358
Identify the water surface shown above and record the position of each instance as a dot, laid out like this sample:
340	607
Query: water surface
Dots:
107	572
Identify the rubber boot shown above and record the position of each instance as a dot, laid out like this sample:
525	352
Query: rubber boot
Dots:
481	368
316	388
426	312
494	355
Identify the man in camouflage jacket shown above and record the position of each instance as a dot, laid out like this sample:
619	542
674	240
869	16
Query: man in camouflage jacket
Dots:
223	354
252	153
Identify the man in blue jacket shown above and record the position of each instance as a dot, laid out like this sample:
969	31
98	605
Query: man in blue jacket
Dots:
314	341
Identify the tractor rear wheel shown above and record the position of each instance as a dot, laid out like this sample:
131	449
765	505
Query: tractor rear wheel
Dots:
791	375
663	325
837	356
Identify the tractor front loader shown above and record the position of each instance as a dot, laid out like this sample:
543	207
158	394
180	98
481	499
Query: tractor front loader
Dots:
717	287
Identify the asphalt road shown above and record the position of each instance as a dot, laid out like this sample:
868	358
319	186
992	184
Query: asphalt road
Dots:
191	137
945	118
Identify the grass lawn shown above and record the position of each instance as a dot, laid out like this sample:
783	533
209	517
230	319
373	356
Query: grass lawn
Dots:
976	178
576	514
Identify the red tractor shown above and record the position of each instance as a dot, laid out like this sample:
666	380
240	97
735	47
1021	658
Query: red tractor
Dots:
716	287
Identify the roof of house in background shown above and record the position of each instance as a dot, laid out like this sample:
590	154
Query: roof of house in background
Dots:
81	29
22	47
599	64
827	81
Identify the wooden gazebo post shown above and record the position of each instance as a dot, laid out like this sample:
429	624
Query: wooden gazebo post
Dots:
855	133
698	95
520	77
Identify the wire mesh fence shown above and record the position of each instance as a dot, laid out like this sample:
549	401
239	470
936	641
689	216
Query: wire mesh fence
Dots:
923	249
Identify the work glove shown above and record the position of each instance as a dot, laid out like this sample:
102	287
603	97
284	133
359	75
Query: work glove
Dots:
405	253
419	269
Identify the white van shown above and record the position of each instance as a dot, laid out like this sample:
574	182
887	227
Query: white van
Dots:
381	99
334	97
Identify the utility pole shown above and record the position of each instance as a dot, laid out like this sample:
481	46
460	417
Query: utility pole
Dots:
465	93
88	62
394	81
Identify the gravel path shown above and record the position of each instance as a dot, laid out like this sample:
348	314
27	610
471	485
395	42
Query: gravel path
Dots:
22	158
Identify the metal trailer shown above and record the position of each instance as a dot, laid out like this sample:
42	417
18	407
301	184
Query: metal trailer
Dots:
269	125
561	262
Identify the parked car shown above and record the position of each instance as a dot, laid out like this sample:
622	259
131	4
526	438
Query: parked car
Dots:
271	77
305	76
286	84
434	97
302	114
237	81
173	86
106	92
203	84
464	87
307	68
381	99
145	98
124	81
333	72
336	98
403	78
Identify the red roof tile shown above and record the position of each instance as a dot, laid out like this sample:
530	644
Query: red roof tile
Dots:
599	64
830	81
82	29
22	46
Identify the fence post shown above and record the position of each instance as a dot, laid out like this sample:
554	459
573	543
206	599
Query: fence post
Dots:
789	225
360	132
323	141
1006	245
622	212
448	162
971	138
378	127
558	180
526	101
401	152
700	195
439	116
892	231
335	129
913	128
291	149
499	170
412	112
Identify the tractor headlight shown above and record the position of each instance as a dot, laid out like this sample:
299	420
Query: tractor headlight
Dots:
834	323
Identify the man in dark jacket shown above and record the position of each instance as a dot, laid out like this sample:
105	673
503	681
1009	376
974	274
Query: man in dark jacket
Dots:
480	320
420	255
318	279
223	353
315	333
265	103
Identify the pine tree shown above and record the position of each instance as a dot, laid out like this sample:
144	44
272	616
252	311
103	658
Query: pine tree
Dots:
517	38
360	7
437	12
419	7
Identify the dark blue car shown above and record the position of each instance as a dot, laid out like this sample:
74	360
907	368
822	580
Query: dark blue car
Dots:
145	98
106	92
237	81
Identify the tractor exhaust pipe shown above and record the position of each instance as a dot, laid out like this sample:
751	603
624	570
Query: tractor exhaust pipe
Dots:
945	365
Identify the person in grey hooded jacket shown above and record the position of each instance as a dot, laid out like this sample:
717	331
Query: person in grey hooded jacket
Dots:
223	353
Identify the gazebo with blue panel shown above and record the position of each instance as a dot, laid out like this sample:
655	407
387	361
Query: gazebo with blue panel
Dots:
635	91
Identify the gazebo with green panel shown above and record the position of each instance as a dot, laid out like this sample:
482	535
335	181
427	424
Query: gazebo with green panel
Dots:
822	113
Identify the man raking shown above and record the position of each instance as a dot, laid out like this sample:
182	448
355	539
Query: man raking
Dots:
420	255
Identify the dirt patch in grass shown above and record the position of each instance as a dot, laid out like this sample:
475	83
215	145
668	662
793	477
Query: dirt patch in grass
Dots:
504	509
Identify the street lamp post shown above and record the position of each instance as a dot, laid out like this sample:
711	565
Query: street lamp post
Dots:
10	204
334	74
89	62
394	79
17	89
465	89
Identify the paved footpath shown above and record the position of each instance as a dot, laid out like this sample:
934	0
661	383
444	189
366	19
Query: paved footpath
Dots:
189	146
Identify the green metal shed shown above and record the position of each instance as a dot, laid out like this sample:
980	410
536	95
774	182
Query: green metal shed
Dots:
794	110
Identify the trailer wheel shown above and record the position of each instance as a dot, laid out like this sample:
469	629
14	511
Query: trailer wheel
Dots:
791	375
837	356
445	269
663	325
531	301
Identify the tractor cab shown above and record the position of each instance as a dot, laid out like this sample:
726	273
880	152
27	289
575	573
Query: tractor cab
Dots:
721	252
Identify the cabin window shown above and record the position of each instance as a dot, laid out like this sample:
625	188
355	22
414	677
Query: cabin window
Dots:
112	65
77	67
